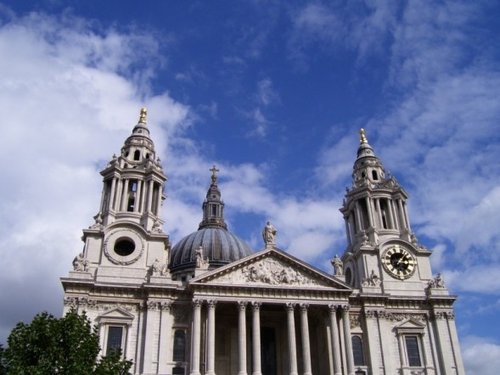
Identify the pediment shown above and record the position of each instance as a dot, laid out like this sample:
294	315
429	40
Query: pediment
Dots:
410	325
116	314
270	268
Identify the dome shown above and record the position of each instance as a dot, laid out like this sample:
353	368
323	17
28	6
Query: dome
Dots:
220	247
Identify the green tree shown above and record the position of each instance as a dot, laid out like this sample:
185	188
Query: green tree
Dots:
66	346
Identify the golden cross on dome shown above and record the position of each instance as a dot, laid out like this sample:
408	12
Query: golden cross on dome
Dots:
214	171
362	136
142	117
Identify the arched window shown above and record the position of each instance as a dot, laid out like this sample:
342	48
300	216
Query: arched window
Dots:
357	351
348	276
137	155
374	175
179	346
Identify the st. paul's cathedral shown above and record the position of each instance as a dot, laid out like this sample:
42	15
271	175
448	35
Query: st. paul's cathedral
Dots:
210	304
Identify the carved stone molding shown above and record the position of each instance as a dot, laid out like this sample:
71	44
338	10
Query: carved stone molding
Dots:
354	320
399	317
271	272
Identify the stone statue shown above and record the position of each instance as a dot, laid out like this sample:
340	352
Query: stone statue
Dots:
156	226
200	261
269	234
80	264
437	282
372	280
338	266
156	268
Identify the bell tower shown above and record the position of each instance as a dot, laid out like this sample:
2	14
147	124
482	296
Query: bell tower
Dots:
382	251
134	181
127	236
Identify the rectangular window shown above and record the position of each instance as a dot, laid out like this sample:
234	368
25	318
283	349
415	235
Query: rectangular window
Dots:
115	336
179	346
413	351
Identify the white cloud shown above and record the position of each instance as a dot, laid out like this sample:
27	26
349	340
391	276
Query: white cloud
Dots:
67	105
481	356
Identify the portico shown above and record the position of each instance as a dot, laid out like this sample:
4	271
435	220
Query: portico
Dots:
271	329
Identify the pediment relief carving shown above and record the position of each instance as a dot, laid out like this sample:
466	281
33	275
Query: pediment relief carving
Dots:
270	271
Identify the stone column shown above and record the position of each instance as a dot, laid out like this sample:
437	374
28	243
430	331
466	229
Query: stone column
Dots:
152	318
242	337
112	194
306	349
138	196
195	347
379	211
150	196
347	338
124	201
292	345
256	338
373	335
165	337
337	361
211	338
369	212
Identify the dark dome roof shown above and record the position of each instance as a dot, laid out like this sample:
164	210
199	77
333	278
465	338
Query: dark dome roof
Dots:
219	245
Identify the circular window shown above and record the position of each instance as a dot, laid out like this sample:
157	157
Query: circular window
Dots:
124	247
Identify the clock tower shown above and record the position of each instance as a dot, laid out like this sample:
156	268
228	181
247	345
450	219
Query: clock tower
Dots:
382	252
404	308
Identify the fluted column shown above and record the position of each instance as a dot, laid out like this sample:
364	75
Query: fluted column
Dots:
211	338
347	338
195	352
242	337
292	345
337	362
306	348
256	338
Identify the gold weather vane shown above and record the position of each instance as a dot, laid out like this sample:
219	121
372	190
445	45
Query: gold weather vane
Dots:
362	136
142	117
214	171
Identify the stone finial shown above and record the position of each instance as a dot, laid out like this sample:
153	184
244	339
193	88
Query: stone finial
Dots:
143	116
269	234
362	136
214	171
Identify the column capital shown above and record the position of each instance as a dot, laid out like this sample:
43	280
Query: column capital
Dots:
289	306
165	306
304	306
242	305
334	307
197	302
256	305
211	303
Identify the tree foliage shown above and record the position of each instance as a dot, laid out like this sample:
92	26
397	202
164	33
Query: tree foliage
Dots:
67	346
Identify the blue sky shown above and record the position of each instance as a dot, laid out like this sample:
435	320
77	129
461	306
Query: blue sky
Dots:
273	93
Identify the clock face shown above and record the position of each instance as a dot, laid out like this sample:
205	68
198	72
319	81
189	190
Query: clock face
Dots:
399	262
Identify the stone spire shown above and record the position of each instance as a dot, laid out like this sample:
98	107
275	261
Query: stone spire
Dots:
213	206
134	181
375	205
368	168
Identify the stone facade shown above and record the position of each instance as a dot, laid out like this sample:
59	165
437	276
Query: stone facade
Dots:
210	306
